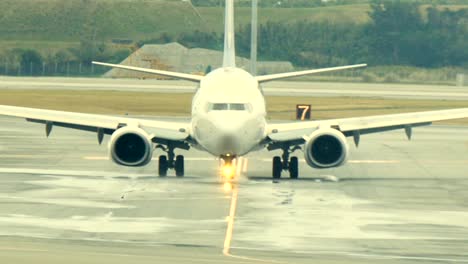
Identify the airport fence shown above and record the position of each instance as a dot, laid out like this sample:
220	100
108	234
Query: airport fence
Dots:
69	68
376	74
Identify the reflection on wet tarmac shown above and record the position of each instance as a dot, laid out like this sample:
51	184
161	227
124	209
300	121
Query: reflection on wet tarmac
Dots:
362	212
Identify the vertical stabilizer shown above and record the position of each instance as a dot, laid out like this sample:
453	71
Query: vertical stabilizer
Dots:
229	59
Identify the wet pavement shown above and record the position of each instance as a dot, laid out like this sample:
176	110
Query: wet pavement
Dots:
394	202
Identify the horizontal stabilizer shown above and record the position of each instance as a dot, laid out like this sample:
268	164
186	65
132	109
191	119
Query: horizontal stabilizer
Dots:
176	75
272	77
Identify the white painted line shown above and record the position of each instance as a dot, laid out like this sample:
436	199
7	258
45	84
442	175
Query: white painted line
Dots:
22	249
375	161
95	158
362	255
155	159
230	223
21	156
245	160
351	161
71	172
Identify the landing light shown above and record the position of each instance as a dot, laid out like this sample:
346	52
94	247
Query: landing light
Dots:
227	171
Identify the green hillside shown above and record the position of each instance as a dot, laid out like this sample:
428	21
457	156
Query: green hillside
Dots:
70	33
67	20
60	20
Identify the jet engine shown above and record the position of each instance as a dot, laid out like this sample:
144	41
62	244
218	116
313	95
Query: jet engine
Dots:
130	146
326	148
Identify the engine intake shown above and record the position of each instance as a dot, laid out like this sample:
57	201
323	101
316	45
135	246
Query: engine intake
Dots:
130	146
326	148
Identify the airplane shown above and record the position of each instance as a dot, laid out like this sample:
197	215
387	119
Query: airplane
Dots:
228	120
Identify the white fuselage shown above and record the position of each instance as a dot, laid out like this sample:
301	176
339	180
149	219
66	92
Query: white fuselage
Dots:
228	113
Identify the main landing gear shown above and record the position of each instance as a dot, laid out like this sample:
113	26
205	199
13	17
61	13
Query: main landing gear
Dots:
286	163
170	162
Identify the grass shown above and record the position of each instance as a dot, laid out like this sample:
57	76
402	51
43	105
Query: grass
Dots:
340	14
51	25
58	20
66	20
44	47
161	104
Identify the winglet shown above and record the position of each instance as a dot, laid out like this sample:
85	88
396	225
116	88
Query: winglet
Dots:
176	75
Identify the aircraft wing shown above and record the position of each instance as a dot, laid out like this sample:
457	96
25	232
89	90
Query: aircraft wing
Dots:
293	131
167	130
278	76
176	75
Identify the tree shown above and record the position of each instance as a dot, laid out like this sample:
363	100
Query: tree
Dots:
394	30
30	61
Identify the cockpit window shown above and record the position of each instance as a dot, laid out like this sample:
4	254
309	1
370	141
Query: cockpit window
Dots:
232	107
219	107
237	107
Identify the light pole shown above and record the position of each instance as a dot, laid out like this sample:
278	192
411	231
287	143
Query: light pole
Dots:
253	38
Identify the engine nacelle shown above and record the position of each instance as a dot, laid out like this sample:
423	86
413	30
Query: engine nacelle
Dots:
130	146
326	148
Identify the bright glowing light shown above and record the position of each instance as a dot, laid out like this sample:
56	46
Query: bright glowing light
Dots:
227	186
228	171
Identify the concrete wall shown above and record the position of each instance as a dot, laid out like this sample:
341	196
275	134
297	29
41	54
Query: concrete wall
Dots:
175	57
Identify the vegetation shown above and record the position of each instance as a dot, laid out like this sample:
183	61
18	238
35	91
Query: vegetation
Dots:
282	3
59	37
399	33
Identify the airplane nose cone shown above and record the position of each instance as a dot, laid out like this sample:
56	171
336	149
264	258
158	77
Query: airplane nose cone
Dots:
229	144
230	130
229	133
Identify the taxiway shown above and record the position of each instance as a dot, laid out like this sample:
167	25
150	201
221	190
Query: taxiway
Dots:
62	200
277	88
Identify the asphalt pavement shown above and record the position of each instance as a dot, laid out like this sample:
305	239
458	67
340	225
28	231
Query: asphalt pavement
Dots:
276	88
63	201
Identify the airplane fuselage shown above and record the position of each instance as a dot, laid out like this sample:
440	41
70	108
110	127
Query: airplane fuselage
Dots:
228	113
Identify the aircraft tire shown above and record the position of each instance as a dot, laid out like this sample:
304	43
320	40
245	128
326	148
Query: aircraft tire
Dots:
179	166
162	166
277	167
294	168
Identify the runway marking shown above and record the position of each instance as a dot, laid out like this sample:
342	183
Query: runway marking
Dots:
244	169
230	224
374	161
241	167
187	159
263	160
230	229
23	156
22	249
362	255
70	172
354	161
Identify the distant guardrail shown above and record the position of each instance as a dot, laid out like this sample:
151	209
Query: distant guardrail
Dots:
70	68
